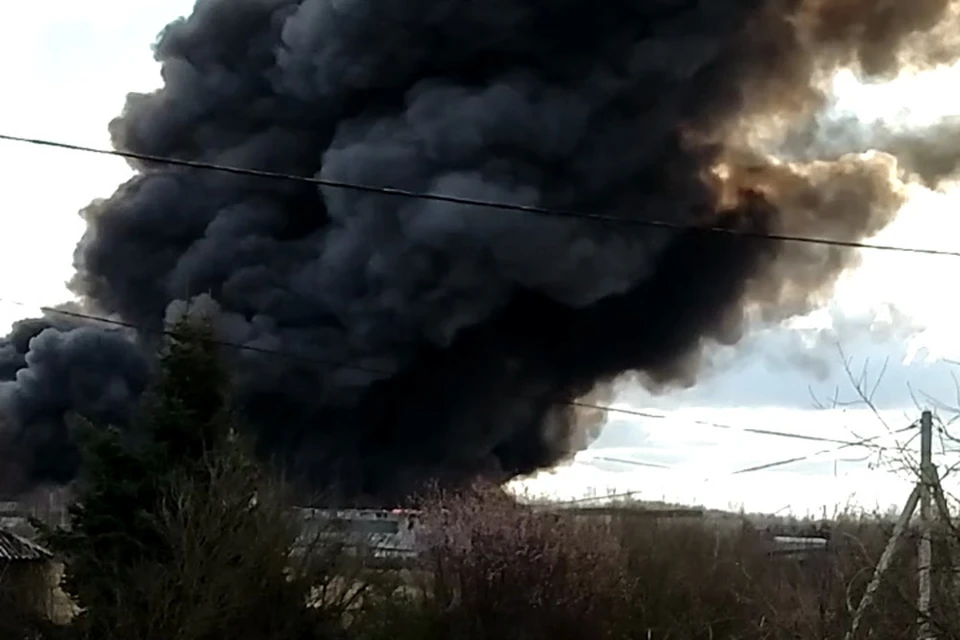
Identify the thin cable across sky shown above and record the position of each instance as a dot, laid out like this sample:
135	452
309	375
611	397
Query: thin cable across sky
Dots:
451	199
360	368
508	207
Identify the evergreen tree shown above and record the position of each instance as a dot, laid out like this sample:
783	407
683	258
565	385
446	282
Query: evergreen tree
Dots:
115	532
185	415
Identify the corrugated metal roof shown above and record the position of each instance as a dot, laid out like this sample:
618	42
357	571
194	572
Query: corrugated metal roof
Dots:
13	548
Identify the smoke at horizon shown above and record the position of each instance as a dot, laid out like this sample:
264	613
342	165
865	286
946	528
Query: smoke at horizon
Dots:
464	330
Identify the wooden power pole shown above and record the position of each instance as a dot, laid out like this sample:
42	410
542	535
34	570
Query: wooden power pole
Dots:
928	482
925	492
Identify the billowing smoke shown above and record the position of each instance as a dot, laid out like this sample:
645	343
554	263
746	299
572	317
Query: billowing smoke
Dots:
428	340
932	154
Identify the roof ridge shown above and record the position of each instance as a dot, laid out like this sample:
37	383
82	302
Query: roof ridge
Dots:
16	548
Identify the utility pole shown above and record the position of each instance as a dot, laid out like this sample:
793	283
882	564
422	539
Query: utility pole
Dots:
924	493
928	482
902	523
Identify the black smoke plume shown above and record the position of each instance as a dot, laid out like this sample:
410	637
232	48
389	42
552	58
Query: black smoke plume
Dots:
461	331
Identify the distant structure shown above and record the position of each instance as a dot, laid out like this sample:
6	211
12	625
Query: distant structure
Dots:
614	512
13	518
27	574
16	551
46	505
384	534
399	534
798	547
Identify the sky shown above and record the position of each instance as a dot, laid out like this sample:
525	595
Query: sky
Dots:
67	69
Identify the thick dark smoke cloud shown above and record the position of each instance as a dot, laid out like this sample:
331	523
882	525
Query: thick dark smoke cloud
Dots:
461	327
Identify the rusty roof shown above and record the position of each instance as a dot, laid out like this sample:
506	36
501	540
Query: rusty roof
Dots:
14	548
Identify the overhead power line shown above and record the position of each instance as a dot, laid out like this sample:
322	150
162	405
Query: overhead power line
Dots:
627	461
816	454
611	496
636	492
639	413
863	442
360	368
460	200
528	209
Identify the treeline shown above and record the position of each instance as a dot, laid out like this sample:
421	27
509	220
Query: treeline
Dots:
178	533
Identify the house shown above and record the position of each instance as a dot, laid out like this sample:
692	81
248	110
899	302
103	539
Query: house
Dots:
17	551
26	573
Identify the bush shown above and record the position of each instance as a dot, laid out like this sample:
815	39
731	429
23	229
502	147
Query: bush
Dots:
230	575
495	569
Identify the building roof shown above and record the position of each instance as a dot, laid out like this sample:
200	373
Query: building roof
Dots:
14	548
